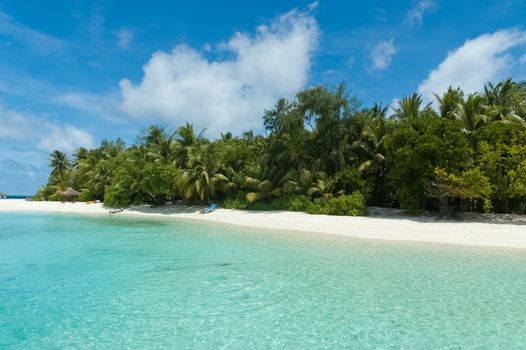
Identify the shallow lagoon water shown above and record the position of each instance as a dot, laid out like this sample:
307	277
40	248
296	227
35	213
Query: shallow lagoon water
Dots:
112	282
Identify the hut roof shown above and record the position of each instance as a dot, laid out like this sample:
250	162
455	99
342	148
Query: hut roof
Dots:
70	192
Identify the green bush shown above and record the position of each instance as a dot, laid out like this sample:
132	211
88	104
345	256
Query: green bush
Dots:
351	205
236	201
114	198
289	202
85	195
42	194
299	203
350	180
276	204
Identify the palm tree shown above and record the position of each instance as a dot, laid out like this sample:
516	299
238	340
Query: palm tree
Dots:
100	178
294	149
110	149
499	94
202	180
154	135
272	118
378	111
323	186
306	182
372	146
506	102
471	113
187	140
448	102
160	143
166	151
129	176
260	190
59	163
409	107
328	110
226	136
79	155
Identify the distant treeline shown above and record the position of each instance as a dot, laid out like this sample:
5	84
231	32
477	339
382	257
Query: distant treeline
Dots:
323	153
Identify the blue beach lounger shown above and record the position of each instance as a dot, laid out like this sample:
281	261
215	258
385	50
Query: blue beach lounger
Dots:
210	209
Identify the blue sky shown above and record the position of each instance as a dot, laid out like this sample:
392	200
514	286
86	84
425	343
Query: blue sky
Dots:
75	72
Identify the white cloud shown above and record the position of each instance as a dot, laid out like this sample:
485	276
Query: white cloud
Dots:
226	94
313	6
35	132
479	61
382	54
25	141
124	38
65	138
22	176
393	105
31	38
104	106
415	16
15	125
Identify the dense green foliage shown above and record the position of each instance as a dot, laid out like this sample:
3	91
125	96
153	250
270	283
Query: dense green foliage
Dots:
323	153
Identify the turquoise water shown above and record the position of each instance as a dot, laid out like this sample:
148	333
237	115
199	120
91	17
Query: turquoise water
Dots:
109	282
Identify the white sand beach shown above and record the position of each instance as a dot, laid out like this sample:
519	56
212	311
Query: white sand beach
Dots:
393	229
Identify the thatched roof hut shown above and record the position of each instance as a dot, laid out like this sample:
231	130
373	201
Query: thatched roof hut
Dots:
70	192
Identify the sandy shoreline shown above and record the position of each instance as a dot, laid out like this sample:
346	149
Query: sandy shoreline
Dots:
393	229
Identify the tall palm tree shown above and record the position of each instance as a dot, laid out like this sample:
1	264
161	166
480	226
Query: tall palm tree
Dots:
499	94
448	102
59	164
202	180
409	107
372	147
153	135
471	112
506	102
328	110
129	175
306	182
100	178
79	155
110	149
294	149
272	117
187	140
373	143
85	163
160	144
166	151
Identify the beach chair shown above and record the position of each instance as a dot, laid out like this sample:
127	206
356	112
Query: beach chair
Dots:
210	209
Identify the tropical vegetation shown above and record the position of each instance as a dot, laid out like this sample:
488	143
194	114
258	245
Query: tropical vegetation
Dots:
321	152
